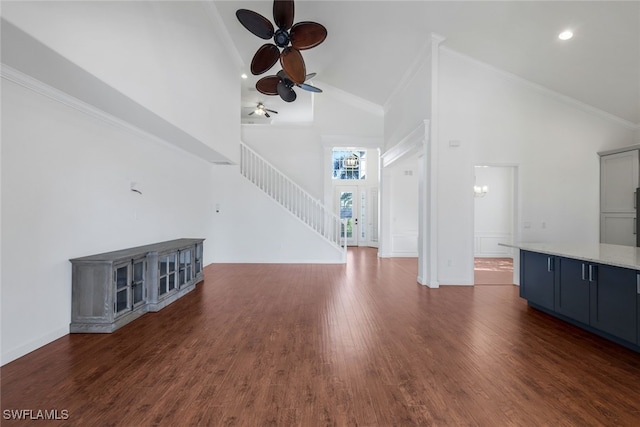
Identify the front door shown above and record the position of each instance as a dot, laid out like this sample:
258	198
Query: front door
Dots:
348	209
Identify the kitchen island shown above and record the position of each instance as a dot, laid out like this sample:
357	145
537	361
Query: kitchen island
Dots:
593	286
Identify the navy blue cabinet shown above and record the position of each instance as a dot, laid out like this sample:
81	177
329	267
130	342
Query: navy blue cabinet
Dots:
572	289
601	298
614	302
537	278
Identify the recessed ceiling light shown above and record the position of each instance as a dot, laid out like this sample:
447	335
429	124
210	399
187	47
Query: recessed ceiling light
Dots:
565	35
243	75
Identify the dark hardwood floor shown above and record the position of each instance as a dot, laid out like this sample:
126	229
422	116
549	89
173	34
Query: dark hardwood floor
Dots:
332	345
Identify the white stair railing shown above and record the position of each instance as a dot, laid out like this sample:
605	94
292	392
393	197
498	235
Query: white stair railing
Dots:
292	197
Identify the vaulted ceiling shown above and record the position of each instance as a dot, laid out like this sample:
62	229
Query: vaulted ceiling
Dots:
372	44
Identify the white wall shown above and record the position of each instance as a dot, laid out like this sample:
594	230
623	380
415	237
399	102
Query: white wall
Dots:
295	150
166	56
338	113
66	193
251	227
403	214
499	119
409	106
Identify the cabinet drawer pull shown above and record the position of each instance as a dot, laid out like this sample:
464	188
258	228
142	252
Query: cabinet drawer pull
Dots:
592	273
638	283
584	271
549	264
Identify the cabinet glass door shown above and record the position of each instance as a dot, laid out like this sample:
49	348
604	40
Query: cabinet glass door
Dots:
121	282
185	266
198	260
137	285
167	274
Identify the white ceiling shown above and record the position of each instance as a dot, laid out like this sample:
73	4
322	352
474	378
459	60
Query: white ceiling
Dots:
372	44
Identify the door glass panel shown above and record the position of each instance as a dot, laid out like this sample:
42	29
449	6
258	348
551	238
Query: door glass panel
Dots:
137	293
121	300
172	262
137	286
363	216
198	260
121	277
138	271
346	211
163	285
164	264
172	281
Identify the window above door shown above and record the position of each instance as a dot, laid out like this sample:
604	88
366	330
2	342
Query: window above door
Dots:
349	164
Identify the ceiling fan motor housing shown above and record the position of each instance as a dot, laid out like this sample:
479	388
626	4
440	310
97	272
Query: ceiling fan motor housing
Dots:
281	38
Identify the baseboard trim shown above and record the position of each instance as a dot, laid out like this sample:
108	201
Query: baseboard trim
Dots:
33	345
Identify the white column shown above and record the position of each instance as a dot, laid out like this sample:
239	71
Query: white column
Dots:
428	184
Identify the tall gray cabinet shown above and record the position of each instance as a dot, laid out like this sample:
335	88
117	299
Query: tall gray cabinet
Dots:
619	180
112	289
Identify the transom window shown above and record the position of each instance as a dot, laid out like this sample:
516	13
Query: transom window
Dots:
349	164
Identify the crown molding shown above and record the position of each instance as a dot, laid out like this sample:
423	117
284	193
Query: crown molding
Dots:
351	99
544	90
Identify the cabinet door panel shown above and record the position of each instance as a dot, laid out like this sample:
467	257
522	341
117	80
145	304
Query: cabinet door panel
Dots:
618	181
572	290
618	229
614	302
537	278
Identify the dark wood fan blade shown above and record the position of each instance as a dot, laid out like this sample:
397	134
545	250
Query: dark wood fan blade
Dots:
305	35
309	88
293	64
264	58
268	85
283	13
253	112
286	93
271	111
256	23
267	115
309	76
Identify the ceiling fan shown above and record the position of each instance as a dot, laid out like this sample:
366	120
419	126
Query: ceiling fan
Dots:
282	85
289	37
261	110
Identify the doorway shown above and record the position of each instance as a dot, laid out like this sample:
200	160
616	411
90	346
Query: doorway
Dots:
494	223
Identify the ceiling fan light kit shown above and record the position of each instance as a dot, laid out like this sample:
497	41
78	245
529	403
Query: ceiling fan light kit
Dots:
291	38
261	110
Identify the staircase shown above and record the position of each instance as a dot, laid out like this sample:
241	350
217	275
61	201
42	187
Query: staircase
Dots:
293	198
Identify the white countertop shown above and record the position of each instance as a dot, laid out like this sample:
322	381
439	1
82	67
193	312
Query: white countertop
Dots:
601	253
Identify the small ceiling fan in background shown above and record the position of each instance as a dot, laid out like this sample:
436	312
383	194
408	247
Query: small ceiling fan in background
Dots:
261	110
288	37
